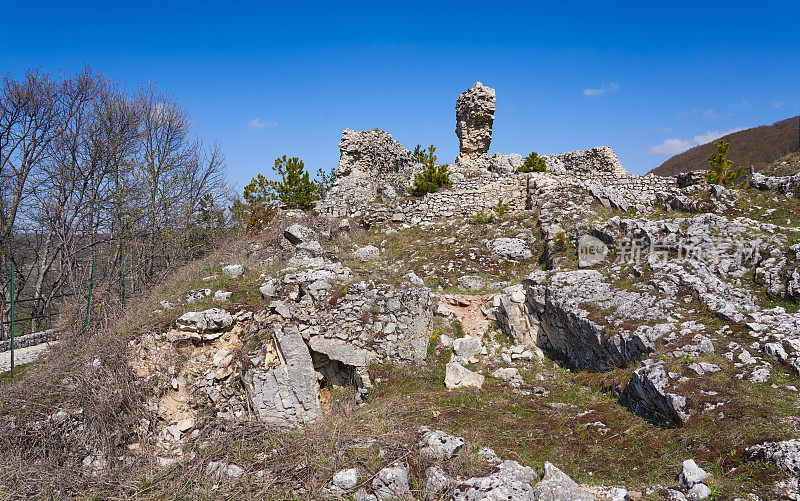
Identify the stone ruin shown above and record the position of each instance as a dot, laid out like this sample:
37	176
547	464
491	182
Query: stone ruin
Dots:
597	159
375	171
371	163
474	118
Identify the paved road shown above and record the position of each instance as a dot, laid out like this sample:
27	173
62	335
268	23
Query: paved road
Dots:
22	355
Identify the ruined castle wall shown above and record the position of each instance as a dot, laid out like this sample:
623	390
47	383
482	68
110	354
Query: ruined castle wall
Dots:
471	195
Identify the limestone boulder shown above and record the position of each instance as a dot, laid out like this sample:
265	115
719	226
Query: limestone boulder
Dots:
557	486
458	376
205	323
510	248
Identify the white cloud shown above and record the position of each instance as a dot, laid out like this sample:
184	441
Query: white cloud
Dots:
256	123
674	146
709	113
612	87
666	129
778	105
671	147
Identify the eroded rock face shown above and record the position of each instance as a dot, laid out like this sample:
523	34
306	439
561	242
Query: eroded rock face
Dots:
597	159
592	324
474	118
288	393
370	163
648	393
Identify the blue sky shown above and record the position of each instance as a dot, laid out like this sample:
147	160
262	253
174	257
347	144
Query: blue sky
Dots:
267	79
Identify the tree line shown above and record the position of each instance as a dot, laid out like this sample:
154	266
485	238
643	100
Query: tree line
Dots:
90	172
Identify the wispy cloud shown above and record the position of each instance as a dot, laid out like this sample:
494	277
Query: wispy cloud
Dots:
689	113
709	113
256	123
778	105
673	146
612	87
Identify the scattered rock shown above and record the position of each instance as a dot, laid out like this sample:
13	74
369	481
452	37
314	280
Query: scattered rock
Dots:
458	376
342	482
786	455
437	482
367	253
391	483
509	248
557	486
691	474
233	270
512	481
471	283
467	346
438	445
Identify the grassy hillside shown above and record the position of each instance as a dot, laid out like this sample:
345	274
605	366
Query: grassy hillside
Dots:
759	147
786	166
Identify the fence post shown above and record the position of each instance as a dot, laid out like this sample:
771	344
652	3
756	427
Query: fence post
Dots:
12	321
89	302
122	277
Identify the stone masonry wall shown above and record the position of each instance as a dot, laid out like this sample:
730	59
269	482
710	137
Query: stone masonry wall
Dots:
470	195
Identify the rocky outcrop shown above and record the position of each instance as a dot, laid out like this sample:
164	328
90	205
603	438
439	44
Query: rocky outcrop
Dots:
649	393
783	184
205	325
474	118
591	324
505	164
593	160
786	455
511	481
370	163
436	445
287	393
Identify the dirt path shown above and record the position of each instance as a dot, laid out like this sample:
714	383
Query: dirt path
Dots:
467	308
22	355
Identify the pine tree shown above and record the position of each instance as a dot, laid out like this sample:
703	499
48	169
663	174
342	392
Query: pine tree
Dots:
533	163
721	169
432	176
295	190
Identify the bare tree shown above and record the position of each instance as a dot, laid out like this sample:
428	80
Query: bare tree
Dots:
89	173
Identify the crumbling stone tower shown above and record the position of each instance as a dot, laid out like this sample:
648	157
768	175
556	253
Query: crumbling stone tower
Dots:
474	118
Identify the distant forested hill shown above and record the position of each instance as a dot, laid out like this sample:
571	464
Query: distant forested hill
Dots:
759	147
